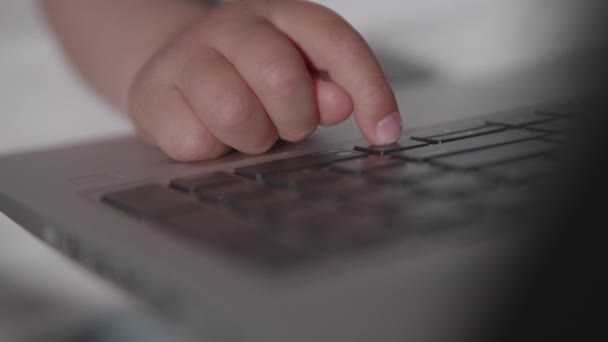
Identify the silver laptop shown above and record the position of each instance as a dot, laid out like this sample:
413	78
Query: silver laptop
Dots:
326	240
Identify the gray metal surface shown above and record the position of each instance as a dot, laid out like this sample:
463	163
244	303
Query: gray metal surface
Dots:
397	293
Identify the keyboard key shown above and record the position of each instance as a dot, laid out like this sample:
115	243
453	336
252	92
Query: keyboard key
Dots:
230	191
460	146
439	136
151	200
511	200
350	233
557	138
300	216
518	119
497	154
449	128
360	166
191	184
523	169
564	109
408	172
294	179
402	145
431	216
453	184
261	171
223	230
266	203
550	183
384	199
318	229
342	187
553	126
209	223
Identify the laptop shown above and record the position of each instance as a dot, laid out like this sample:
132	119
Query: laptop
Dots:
326	240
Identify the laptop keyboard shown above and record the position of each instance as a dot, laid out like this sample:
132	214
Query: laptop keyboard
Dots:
348	200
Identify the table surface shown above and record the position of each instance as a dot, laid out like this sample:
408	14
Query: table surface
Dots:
44	103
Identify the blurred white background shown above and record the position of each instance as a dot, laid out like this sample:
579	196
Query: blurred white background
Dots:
43	103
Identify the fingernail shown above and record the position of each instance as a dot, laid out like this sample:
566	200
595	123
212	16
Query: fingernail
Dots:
389	129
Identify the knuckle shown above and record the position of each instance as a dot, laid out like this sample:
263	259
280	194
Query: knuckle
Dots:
188	145
298	133
143	90
281	78
262	147
139	91
231	112
189	75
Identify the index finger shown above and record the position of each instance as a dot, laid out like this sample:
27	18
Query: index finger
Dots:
331	44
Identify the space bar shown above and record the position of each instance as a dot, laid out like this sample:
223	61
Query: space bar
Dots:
314	160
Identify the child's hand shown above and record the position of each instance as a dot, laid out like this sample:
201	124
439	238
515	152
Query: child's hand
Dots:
250	72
